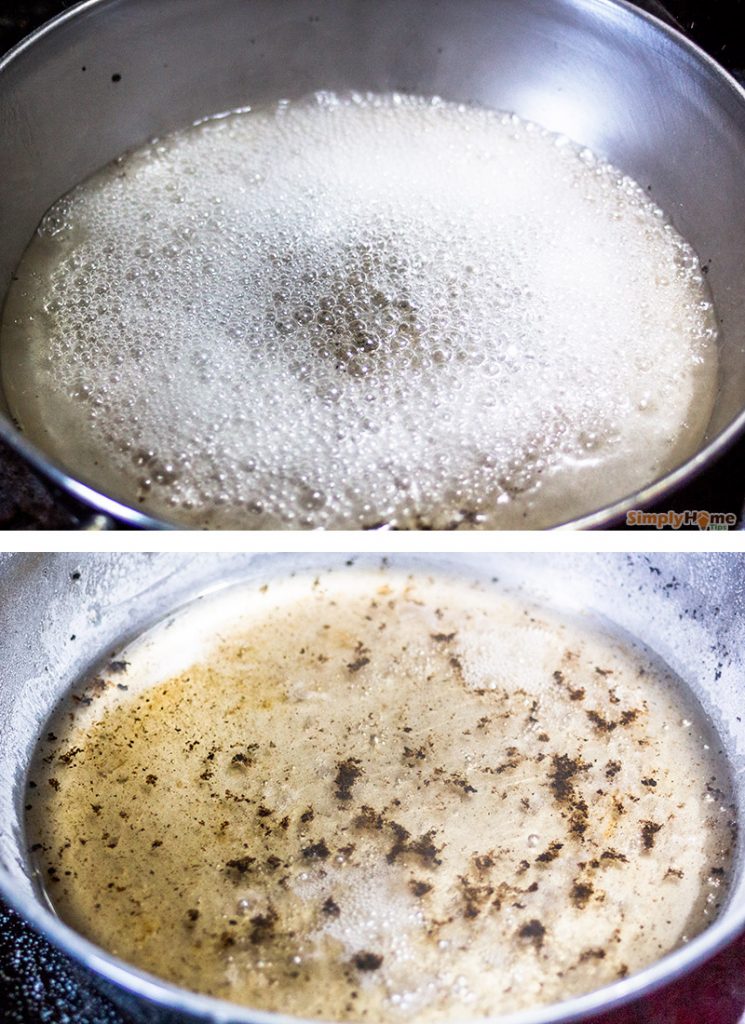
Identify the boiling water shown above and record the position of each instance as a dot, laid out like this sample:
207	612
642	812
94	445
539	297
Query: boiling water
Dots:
355	311
378	797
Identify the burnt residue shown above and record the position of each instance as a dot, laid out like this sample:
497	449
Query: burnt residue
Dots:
263	927
564	769
581	893
611	855
649	833
550	853
240	866
460	783
357	664
475	897
69	756
533	931
601	723
421	848
595	953
316	851
607	725
330	907
575	693
347	773
365	961
419	888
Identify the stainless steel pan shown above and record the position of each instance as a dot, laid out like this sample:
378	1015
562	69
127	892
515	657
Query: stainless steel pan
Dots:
59	614
109	74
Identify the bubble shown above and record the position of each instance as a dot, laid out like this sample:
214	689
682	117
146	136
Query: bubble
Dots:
354	291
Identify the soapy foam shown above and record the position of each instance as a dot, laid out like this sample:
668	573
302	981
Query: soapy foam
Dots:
361	310
378	797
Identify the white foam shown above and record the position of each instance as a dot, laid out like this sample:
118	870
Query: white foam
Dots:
349	311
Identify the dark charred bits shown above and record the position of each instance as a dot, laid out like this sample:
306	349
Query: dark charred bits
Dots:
475	897
316	851
263	927
331	908
192	914
367	961
608	725
550	853
347	774
601	724
564	769
612	854
419	888
591	954
69	756
533	932
369	819
241	865
410	754
151	779
581	893
649	782
649	831
443	638
118	666
612	769
423	848
461	783
307	815
355	666
577	693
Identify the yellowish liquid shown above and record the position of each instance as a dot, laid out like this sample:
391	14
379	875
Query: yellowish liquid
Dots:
376	797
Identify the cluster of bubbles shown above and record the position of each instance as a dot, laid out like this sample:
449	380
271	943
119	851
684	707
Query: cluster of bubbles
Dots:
359	311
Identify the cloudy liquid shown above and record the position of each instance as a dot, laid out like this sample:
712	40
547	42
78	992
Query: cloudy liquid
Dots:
349	312
377	797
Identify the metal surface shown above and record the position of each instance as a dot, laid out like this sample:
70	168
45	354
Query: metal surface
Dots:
61	613
109	74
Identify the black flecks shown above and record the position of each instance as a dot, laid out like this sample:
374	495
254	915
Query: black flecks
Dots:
367	961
